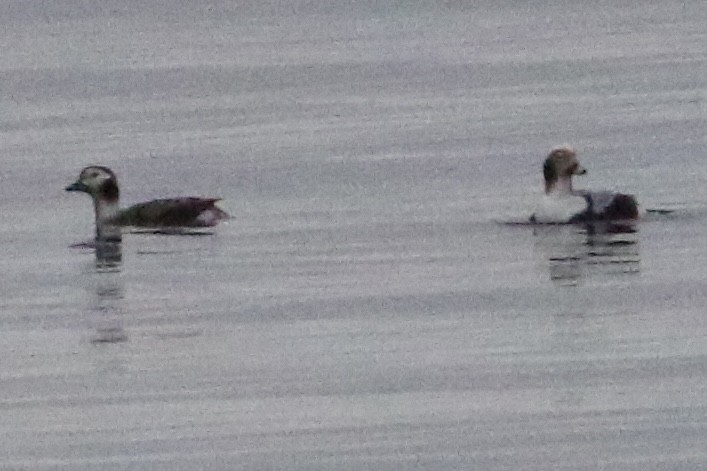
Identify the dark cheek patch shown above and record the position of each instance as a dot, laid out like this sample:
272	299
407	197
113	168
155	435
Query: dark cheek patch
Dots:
109	190
549	171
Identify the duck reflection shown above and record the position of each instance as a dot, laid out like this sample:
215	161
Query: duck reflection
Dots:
574	251
107	307
109	294
109	255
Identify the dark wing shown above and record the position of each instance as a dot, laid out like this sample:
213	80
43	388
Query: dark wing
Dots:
173	212
622	206
607	206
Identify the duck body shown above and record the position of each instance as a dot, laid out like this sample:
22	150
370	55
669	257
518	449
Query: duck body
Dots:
172	212
561	204
102	185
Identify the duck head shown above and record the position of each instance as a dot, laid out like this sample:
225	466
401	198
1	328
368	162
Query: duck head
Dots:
102	185
99	182
559	168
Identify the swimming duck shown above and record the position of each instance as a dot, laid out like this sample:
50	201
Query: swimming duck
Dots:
562	204
102	185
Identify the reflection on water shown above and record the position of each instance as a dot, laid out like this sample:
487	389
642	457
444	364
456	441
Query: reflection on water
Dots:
574	252
107	307
109	290
109	255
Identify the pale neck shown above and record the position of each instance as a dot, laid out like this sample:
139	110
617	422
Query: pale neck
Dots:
561	186
106	219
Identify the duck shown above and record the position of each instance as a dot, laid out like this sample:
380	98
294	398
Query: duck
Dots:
562	204
101	184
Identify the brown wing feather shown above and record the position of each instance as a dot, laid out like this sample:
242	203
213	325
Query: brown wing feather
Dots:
170	212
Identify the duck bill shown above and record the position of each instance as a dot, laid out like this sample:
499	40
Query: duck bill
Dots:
580	170
78	186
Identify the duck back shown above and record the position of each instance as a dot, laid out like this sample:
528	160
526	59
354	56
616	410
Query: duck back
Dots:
605	205
173	212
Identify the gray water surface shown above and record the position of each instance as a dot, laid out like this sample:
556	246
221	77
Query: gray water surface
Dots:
365	308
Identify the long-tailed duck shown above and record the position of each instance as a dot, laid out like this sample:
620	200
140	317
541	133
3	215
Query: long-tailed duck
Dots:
562	204
102	185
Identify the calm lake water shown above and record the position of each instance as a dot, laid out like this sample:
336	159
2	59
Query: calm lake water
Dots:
366	307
